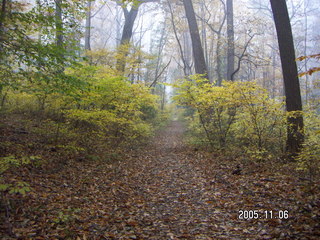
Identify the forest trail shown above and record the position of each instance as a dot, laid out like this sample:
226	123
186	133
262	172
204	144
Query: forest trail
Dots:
165	191
166	195
178	199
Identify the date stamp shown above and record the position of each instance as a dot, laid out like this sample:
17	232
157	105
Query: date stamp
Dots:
263	214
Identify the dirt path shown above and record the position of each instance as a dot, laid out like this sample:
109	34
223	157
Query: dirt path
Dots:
174	192
161	192
174	199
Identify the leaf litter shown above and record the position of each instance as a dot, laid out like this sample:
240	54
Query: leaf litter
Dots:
165	191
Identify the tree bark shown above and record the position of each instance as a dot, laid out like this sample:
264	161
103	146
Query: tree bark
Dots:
198	55
204	34
230	36
2	19
59	24
295	135
118	25
87	34
130	17
3	13
305	50
219	57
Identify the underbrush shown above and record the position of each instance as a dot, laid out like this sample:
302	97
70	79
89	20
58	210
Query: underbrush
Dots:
239	120
45	128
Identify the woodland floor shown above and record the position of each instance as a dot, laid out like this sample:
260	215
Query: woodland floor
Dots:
165	191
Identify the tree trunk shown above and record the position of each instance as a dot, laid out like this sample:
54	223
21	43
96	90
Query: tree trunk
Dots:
118	26
3	13
184	61
130	17
204	34
2	19
306	50
87	33
198	55
219	56
159	53
59	24
187	51
295	135
219	60
230	36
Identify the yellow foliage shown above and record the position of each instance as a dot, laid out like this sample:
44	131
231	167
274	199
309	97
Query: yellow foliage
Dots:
106	109
112	108
309	157
311	70
236	114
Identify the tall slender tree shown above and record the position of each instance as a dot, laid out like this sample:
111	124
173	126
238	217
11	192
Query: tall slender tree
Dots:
230	36
218	31
295	135
3	14
198	55
87	34
59	23
186	66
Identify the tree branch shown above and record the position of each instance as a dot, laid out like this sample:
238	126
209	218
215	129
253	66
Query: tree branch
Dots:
242	56
185	65
159	75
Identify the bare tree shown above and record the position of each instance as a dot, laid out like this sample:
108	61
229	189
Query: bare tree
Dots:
218	32
160	46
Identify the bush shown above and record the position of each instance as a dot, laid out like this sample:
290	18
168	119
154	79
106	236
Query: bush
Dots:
112	110
104	110
309	157
234	116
